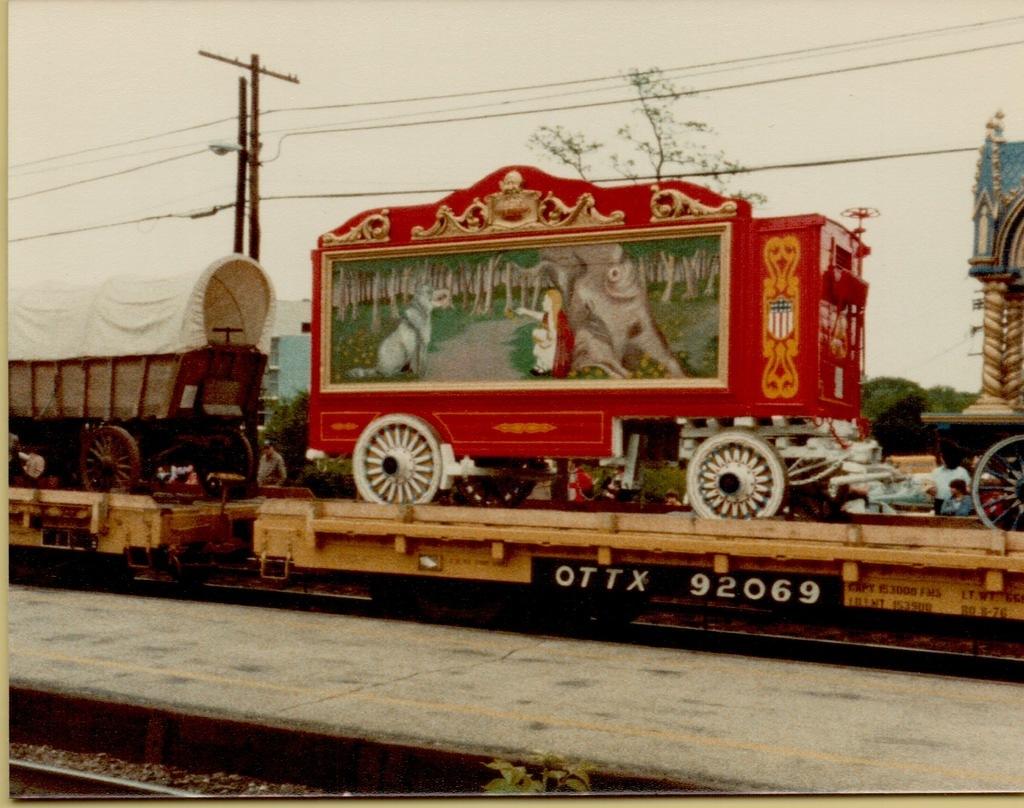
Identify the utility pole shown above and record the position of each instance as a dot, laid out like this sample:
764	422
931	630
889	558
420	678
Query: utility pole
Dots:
243	159
253	150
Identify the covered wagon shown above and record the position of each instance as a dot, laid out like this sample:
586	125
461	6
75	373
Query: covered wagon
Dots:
117	382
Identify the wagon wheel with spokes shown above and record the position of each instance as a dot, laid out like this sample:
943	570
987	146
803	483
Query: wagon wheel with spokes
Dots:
109	459
735	475
998	485
397	459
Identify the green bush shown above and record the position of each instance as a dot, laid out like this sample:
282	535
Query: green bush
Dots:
658	480
328	479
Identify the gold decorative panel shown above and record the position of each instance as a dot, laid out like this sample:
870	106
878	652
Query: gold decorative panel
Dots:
516	208
780	311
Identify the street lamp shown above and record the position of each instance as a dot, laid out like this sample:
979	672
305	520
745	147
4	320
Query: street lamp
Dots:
221	148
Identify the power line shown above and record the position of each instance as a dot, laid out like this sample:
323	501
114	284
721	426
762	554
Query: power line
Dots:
667	176
193	215
124	142
939	355
391	193
317	130
590	105
739	60
106	176
656	96
697	66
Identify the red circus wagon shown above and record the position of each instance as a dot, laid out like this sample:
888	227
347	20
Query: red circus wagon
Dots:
529	319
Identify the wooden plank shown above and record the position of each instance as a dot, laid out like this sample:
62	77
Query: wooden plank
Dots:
757	548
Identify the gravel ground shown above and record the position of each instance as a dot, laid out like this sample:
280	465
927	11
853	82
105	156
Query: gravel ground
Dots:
220	784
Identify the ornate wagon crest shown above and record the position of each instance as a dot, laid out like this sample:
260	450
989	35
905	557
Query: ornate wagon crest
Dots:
780	317
516	208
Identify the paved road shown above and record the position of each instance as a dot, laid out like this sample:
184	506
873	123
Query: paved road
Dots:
730	723
480	352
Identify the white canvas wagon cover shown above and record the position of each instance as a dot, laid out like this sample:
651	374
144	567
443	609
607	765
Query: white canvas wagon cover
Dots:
231	301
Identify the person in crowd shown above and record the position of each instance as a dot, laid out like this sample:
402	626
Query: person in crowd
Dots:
951	469
180	474
581	485
672	499
271	469
22	461
958	503
613	487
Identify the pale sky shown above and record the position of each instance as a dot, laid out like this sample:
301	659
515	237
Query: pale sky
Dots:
91	73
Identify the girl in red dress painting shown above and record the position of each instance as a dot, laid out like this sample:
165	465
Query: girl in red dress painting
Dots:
553	340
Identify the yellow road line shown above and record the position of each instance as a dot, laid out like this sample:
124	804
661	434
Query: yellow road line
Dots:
608	728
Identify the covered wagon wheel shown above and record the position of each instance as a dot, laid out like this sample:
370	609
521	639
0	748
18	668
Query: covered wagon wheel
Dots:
735	475
507	490
998	486
109	459
224	452
397	460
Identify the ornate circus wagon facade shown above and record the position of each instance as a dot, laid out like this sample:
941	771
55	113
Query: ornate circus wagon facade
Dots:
530	319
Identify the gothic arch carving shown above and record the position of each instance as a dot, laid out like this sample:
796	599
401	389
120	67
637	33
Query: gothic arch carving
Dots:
1009	246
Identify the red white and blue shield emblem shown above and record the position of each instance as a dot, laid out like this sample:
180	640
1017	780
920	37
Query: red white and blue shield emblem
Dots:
780	317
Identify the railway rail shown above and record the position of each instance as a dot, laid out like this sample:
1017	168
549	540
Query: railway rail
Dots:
33	780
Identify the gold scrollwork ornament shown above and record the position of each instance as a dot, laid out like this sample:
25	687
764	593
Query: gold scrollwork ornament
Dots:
375	227
668	204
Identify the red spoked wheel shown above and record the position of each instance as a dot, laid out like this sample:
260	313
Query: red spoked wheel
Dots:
998	485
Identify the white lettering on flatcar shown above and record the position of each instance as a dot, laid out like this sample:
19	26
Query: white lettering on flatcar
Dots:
581	577
639	581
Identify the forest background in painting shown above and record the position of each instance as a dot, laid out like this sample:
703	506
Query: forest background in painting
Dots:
637	309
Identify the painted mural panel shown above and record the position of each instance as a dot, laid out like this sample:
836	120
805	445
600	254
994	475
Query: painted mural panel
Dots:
648	309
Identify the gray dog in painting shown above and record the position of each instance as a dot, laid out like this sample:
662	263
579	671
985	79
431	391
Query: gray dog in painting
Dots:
406	347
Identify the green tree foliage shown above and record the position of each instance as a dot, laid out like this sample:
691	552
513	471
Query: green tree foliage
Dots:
883	392
894	406
287	429
942	398
899	429
659	145
541	774
879	394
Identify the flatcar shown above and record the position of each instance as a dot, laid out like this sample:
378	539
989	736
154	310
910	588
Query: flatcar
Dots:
475	343
116	383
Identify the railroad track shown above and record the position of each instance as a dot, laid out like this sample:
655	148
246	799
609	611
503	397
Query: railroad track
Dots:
31	780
